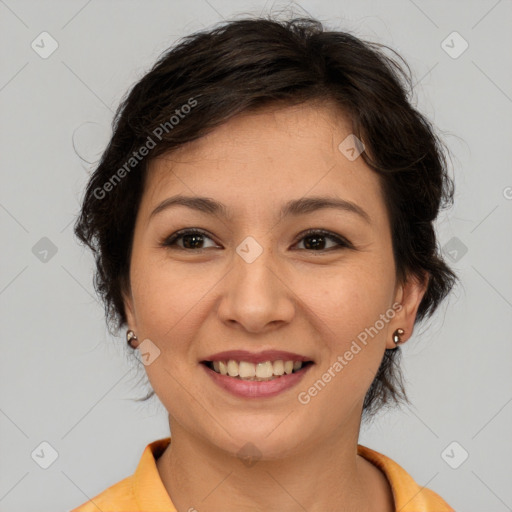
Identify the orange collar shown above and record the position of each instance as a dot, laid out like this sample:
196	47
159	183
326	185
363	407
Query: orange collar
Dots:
150	492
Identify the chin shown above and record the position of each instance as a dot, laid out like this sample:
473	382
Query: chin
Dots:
264	443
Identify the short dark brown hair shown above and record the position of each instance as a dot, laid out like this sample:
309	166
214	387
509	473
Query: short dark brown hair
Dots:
253	63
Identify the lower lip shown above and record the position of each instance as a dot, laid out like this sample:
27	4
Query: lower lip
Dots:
256	389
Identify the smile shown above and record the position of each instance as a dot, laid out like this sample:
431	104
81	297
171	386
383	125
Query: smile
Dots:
256	380
259	372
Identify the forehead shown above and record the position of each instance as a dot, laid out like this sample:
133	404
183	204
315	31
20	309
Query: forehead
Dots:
273	128
265	157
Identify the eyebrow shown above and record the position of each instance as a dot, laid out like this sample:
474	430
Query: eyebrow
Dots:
294	207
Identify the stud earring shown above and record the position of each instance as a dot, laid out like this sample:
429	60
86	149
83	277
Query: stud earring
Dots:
396	336
130	335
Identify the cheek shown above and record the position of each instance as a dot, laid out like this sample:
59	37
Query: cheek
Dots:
170	300
352	310
352	343
350	298
167	303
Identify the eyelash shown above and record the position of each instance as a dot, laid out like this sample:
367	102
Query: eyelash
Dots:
169	242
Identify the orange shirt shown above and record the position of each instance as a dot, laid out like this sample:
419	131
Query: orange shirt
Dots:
144	491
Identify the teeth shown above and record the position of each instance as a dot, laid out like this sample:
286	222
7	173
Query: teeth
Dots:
278	367
232	368
267	370
264	370
246	369
222	368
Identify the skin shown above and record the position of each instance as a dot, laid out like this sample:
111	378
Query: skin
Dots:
311	301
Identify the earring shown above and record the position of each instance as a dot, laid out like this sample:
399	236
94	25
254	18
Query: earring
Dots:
396	336
130	335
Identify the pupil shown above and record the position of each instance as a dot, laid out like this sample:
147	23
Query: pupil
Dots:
316	243
197	238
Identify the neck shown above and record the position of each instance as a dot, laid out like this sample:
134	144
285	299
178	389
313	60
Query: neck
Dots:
323	476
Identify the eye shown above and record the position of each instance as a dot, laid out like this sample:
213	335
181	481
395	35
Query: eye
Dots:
192	239
316	240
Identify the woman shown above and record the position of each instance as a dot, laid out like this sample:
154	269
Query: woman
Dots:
262	221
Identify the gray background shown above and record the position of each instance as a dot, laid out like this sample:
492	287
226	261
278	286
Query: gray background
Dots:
65	381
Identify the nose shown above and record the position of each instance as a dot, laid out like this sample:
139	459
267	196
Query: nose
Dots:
255	295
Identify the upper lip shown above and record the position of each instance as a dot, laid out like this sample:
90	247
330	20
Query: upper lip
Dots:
256	357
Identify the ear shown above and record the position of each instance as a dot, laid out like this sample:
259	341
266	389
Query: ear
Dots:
130	312
409	296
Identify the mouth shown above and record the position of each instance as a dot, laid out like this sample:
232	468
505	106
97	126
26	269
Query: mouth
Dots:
258	372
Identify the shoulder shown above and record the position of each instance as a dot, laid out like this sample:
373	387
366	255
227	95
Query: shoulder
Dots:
119	496
143	490
408	495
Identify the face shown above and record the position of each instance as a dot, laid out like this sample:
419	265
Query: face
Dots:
246	278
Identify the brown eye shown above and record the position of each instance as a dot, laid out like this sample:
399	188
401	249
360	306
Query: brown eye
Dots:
315	240
192	239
